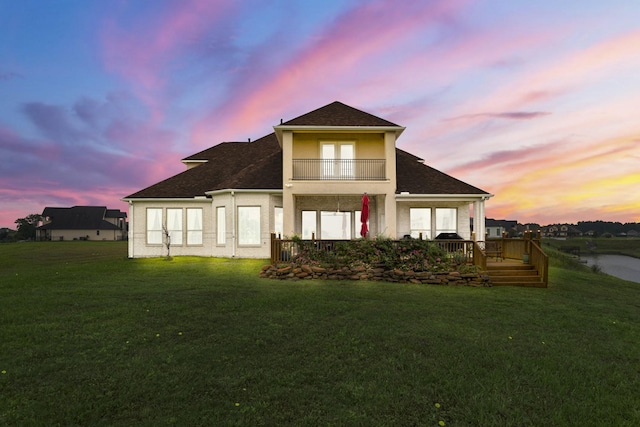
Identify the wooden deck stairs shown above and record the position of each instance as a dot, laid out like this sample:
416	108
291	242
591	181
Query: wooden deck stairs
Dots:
514	273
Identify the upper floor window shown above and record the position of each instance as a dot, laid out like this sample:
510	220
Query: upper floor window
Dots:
338	159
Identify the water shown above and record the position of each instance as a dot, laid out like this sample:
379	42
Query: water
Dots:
624	267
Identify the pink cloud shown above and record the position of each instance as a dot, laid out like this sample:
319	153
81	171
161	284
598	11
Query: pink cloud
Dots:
325	65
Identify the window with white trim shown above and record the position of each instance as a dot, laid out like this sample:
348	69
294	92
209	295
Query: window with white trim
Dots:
337	159
420	219
335	225
278	217
249	225
308	224
221	225
446	220
154	226
174	225
194	226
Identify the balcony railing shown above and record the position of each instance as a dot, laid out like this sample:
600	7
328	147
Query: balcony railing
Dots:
339	170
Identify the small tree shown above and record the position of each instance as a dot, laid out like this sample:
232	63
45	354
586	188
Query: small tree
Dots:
27	227
167	240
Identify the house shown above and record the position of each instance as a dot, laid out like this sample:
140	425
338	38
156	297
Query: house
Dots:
561	231
496	227
82	223
307	178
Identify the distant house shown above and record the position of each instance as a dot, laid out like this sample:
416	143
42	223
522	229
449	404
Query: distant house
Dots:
561	230
306	178
82	223
495	227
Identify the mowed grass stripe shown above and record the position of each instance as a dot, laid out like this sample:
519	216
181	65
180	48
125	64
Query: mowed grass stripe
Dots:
104	340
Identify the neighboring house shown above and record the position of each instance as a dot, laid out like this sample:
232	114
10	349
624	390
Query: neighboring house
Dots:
495	227
561	230
308	179
82	223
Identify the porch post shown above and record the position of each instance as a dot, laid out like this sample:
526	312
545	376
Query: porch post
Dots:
478	220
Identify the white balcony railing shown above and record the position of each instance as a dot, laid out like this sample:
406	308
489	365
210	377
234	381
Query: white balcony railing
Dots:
339	170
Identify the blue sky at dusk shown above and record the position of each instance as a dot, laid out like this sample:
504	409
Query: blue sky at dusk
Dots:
535	102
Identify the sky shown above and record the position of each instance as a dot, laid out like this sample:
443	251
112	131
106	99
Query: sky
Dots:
536	102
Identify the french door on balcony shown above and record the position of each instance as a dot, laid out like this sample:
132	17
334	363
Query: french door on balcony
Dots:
337	160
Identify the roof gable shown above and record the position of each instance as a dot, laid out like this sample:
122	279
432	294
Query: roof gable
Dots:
338	114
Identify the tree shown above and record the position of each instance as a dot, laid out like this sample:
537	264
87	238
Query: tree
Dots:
27	227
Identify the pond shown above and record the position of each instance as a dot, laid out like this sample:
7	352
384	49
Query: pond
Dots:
624	267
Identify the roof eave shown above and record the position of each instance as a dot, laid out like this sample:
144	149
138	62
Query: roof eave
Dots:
328	129
409	197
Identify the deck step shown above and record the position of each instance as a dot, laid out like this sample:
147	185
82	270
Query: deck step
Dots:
512	274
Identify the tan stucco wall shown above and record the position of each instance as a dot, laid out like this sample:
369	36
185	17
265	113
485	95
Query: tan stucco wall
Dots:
367	145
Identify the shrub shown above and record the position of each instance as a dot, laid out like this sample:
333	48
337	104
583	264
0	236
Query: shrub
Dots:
417	255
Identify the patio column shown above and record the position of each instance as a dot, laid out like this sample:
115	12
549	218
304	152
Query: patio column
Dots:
288	200
478	220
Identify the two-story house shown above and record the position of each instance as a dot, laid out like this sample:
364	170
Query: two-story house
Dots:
307	178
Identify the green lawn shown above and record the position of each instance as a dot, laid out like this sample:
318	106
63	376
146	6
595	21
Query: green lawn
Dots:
629	246
92	338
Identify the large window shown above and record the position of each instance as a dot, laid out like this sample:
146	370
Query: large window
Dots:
174	225
335	225
308	224
338	160
420	219
154	226
221	225
194	226
446	220
278	216
249	225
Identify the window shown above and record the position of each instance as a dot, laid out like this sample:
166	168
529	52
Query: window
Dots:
420	219
174	225
194	226
308	224
446	220
249	225
221	225
338	160
154	226
278	217
335	225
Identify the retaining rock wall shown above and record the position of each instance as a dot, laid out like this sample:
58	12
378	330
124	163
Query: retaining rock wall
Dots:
306	272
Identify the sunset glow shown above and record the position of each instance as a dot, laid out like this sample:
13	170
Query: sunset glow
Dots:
535	102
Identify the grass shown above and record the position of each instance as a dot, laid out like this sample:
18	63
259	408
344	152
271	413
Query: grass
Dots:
90	337
629	246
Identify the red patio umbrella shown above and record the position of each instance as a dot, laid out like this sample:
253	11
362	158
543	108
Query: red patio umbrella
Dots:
364	215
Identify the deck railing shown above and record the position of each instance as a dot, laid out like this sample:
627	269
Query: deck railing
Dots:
339	170
283	250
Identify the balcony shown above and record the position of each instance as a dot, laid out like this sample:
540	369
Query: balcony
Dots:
339	170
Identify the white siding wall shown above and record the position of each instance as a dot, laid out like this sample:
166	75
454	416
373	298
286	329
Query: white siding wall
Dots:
138	246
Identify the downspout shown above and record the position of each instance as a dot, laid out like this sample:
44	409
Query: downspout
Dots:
233	224
130	233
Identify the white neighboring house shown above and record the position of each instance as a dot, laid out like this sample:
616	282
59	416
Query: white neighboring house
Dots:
306	178
82	223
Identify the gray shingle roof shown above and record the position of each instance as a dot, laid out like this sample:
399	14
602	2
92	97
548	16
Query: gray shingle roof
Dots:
78	218
258	164
338	114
